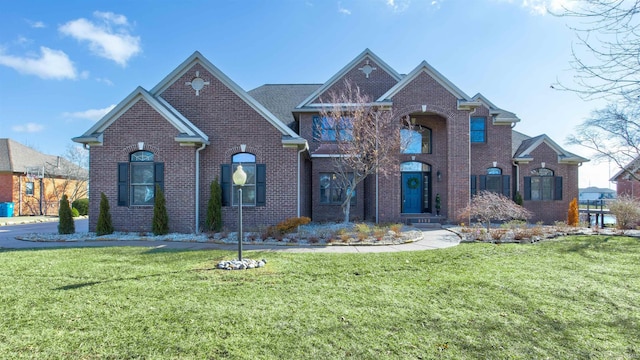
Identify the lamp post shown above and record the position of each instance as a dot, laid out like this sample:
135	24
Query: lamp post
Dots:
239	179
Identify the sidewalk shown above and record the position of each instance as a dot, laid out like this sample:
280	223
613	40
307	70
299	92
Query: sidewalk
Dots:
17	220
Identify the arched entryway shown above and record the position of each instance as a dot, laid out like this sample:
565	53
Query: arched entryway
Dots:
416	187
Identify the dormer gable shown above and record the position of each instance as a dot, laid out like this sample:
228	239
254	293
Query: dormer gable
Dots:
524	152
499	116
366	71
188	133
464	101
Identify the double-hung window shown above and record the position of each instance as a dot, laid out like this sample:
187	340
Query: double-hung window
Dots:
254	190
478	129
542	185
137	179
332	129
334	190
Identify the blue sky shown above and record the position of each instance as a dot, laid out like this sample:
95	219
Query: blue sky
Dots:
64	64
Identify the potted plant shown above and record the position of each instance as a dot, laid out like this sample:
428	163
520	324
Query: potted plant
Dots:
438	204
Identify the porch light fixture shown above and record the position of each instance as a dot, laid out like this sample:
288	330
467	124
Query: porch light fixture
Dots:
439	175
239	179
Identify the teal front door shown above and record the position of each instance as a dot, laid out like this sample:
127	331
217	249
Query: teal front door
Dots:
411	192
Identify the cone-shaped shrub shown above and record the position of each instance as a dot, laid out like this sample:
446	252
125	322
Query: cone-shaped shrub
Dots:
104	227
213	222
65	218
160	217
573	216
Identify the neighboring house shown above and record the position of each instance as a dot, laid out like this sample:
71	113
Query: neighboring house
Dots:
596	193
627	184
197	125
35	182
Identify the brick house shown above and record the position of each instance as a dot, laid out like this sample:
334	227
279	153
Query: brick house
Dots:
197	125
37	195
627	184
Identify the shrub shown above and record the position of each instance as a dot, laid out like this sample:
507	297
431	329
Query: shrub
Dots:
626	209
160	224
65	218
74	212
289	225
518	199
213	222
487	206
573	215
82	205
104	226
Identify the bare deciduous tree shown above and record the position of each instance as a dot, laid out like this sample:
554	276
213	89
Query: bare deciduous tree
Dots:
487	206
606	55
69	174
367	139
612	133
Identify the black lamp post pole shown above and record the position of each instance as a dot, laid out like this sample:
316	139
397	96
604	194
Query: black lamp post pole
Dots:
240	234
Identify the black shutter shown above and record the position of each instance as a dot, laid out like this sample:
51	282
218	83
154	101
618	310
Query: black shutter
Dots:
473	185
527	187
557	194
159	175
506	186
261	184
225	184
316	128
123	184
483	182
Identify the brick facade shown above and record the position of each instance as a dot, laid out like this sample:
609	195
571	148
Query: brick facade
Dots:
233	121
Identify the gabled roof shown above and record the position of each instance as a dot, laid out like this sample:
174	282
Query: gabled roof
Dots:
281	99
16	158
188	133
632	167
463	99
197	58
523	153
363	56
500	116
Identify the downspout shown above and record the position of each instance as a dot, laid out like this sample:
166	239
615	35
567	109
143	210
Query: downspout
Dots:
197	190
305	148
469	165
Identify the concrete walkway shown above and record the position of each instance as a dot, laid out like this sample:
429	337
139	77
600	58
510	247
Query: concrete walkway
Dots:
431	239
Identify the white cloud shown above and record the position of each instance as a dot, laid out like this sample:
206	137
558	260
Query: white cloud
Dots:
28	127
51	64
36	24
105	80
91	114
400	5
542	7
108	38
342	10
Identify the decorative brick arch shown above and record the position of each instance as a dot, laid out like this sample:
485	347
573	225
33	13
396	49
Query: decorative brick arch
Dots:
434	109
248	149
126	151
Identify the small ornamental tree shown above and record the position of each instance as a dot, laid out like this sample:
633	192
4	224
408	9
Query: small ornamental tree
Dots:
573	216
104	226
487	206
65	225
213	222
626	209
160	217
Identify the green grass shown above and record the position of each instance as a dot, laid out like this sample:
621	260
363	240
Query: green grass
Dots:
575	298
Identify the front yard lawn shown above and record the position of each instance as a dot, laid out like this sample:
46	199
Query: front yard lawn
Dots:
571	298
